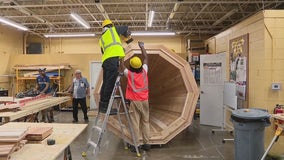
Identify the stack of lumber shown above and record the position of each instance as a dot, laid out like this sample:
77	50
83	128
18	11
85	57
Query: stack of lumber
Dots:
11	140
37	134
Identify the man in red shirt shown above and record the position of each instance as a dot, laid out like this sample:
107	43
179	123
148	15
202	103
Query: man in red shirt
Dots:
138	93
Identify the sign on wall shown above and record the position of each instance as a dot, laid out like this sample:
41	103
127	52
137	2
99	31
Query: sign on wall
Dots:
238	48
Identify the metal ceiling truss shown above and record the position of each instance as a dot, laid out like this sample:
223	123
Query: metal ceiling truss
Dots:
184	17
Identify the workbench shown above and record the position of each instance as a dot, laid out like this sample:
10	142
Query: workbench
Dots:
33	107
64	135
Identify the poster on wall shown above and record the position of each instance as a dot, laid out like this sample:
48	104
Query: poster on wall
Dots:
213	73
239	64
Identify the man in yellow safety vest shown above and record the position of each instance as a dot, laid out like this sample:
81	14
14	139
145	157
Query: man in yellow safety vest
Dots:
112	50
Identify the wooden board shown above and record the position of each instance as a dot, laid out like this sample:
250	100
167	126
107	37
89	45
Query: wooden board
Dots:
12	134
64	135
172	97
38	133
5	151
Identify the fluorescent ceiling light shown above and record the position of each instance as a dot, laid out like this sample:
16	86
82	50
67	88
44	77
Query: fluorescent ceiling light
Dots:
153	33
176	6
13	24
80	20
151	18
58	35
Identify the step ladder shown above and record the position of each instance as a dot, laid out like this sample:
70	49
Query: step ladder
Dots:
100	129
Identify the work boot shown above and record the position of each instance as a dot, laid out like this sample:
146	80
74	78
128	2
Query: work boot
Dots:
103	108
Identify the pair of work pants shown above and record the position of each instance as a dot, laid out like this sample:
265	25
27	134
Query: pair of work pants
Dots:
83	104
110	73
140	120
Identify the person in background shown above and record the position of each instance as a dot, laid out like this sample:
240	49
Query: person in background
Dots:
138	93
43	87
80	89
112	50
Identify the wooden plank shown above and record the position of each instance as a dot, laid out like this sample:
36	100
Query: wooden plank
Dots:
36	67
6	150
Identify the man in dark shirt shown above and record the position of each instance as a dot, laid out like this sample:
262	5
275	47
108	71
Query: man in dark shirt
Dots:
43	87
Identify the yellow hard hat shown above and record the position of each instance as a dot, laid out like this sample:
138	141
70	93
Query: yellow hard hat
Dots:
135	62
106	22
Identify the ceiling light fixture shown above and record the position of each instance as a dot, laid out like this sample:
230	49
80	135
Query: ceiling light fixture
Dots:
153	33
80	20
176	7
227	15
13	24
151	18
68	35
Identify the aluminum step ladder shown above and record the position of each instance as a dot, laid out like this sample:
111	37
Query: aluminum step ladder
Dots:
100	129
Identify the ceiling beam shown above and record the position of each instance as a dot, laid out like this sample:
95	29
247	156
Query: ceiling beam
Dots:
149	2
201	11
89	13
125	21
117	13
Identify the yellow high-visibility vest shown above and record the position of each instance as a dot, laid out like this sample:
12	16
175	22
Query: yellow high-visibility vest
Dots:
111	44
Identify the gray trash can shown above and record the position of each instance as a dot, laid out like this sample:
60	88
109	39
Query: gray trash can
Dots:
249	127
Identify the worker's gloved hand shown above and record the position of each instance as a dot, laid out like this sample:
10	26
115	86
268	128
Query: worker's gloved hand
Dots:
141	44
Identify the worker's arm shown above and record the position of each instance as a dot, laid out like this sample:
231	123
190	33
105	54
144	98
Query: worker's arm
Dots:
144	53
46	88
122	68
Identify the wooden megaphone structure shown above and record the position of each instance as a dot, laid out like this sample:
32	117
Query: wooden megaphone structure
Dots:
173	94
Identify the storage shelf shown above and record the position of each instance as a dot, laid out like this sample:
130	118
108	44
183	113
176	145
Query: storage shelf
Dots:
30	70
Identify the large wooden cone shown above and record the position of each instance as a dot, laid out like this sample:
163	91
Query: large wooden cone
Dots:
173	94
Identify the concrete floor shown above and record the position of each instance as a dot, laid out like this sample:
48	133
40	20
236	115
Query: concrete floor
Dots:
196	142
